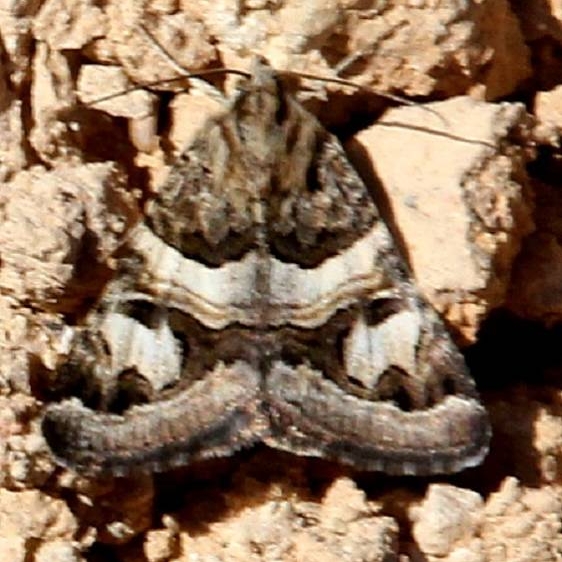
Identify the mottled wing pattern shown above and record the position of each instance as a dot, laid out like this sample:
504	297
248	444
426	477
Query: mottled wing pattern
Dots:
263	299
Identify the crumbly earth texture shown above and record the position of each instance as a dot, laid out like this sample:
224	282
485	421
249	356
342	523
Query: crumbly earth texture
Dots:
468	184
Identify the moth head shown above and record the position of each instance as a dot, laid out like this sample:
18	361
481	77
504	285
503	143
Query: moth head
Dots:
262	98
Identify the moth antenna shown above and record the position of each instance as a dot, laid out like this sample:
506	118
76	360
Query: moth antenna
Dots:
183	75
343	82
187	75
162	50
215	93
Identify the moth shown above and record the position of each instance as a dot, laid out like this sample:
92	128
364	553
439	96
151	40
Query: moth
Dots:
262	299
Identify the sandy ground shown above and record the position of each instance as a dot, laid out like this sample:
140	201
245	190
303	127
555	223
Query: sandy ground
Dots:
469	181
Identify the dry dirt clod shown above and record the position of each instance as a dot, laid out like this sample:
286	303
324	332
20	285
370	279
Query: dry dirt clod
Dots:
477	217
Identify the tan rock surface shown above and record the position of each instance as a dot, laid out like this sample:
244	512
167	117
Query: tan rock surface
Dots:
30	516
459	191
447	516
465	156
287	524
51	222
